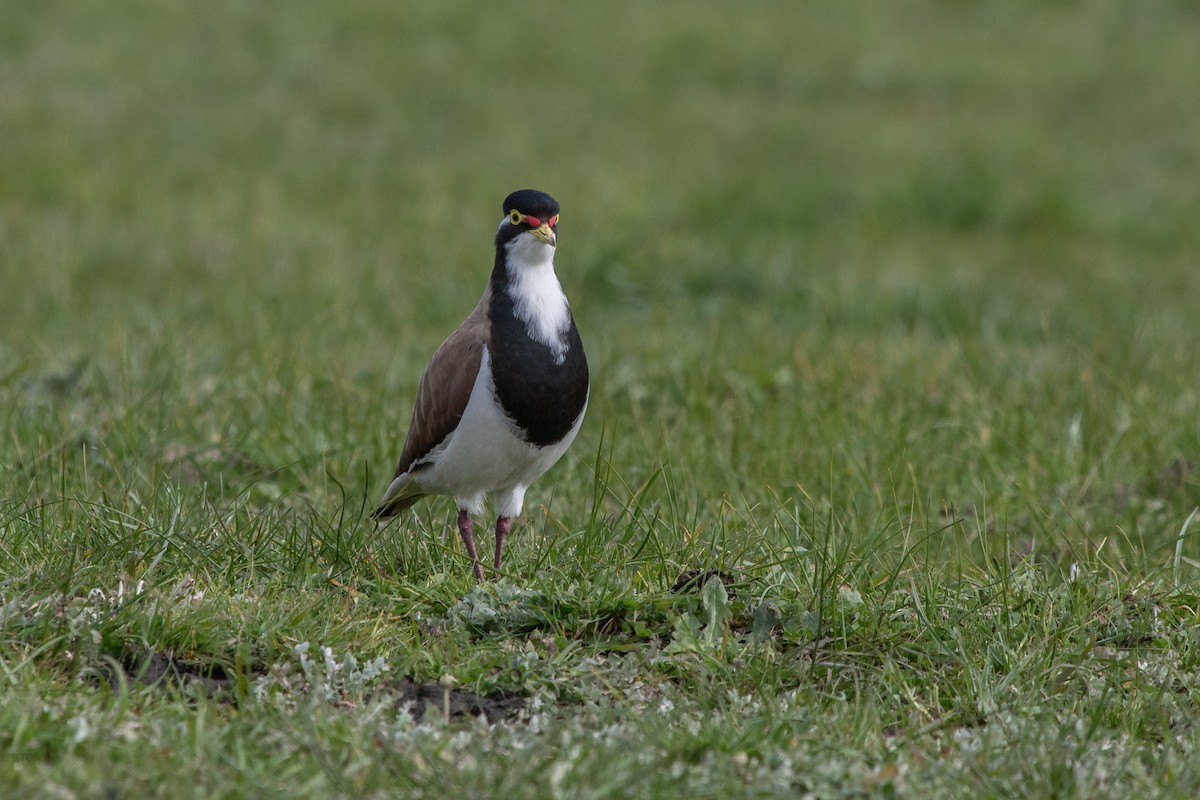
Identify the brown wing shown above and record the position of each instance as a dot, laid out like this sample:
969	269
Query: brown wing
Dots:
441	399
444	392
446	387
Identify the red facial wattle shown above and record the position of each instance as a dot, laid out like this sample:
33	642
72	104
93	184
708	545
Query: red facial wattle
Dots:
517	218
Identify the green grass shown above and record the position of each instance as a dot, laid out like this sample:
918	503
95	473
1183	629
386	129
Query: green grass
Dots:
892	319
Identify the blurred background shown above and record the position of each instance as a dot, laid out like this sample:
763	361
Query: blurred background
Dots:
794	235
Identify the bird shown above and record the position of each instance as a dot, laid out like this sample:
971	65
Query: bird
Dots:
505	394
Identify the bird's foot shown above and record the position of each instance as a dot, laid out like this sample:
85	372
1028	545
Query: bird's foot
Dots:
502	527
466	531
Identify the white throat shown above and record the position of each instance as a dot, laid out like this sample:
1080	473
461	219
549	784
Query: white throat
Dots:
537	296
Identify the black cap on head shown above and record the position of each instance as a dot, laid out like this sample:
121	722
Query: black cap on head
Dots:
526	203
531	202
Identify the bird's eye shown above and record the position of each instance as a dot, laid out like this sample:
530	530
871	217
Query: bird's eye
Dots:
554	220
516	217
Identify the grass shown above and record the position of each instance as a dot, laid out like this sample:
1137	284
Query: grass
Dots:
891	313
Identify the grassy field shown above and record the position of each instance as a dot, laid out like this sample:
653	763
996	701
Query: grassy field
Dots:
893	317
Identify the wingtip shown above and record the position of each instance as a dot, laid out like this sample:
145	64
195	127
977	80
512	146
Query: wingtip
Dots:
393	508
385	512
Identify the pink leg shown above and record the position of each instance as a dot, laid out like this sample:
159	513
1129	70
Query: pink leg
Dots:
465	530
502	526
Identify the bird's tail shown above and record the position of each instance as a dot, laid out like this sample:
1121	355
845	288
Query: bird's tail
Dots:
399	496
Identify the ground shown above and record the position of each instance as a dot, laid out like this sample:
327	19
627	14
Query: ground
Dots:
889	476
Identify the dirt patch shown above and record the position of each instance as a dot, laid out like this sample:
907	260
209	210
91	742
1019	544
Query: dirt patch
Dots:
418	697
212	678
159	669
693	580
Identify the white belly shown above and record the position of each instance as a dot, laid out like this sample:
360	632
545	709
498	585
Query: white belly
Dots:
485	454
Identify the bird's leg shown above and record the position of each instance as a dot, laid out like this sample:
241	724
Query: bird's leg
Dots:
465	530
502	525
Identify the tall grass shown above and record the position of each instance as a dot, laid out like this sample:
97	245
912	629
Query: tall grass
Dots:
891	318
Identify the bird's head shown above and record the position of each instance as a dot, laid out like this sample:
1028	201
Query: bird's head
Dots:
529	213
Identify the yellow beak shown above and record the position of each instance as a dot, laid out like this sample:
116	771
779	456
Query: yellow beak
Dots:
544	233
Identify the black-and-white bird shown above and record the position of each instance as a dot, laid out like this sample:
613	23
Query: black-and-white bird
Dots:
504	396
